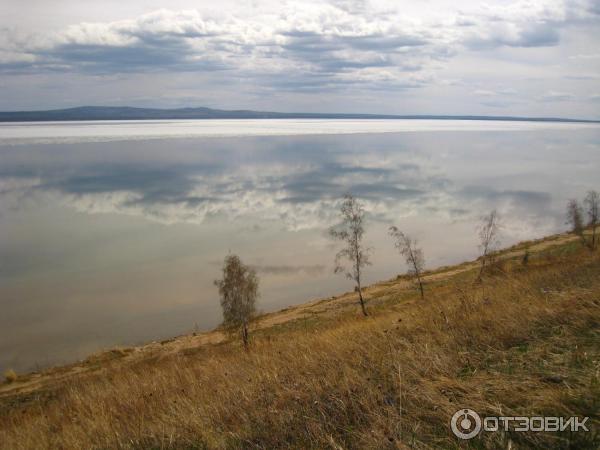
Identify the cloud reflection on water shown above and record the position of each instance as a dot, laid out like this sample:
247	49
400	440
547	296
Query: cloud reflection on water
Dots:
297	183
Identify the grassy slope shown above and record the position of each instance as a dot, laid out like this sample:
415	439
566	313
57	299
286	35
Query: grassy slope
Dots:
525	342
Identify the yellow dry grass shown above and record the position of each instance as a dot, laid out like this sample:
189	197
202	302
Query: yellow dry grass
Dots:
524	342
10	376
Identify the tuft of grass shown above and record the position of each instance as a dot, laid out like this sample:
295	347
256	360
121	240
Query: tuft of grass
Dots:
10	376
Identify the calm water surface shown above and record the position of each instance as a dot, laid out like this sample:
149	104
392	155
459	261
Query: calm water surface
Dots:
111	233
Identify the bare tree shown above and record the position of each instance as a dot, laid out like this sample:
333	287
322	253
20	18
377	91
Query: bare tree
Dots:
238	290
592	204
351	232
575	218
488	237
412	254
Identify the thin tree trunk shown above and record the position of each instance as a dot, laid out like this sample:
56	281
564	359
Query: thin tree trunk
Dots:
482	266
362	302
245	335
421	286
360	297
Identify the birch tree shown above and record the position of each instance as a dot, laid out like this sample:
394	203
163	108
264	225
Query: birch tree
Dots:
575	218
488	238
238	291
413	255
592	205
350	232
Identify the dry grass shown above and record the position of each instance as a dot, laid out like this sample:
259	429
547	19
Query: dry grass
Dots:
526	342
10	376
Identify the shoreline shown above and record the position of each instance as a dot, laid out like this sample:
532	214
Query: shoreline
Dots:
95	362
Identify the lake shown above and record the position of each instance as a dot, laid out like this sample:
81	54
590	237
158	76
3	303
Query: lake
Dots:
111	233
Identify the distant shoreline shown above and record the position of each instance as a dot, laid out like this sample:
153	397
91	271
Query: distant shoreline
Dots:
107	113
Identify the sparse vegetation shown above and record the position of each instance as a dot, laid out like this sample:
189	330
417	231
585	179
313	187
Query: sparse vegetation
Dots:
530	347
351	232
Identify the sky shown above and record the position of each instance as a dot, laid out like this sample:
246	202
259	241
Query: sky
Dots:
527	58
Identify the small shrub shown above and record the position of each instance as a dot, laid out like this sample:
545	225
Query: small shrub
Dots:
10	376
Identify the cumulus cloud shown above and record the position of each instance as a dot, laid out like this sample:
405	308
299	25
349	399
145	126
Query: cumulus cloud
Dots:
316	46
514	35
523	24
354	56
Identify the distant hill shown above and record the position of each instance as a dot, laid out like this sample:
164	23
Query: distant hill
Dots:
129	113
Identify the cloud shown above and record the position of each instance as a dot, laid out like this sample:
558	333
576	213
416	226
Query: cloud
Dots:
586	56
583	76
376	56
519	24
326	39
484	93
514	35
295	46
554	96
286	270
497	98
495	93
523	24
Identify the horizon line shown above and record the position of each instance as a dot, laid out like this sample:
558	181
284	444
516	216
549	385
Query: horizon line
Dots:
103	113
